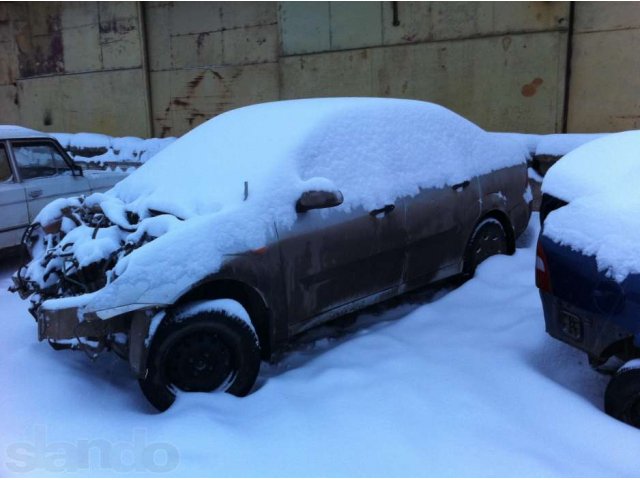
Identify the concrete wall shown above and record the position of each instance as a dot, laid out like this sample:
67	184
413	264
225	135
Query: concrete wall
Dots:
161	68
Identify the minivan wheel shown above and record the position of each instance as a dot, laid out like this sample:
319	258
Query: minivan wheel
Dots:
622	396
205	352
488	238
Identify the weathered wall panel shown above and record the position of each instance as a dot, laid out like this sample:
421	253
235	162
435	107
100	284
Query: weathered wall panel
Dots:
605	66
206	59
73	67
599	16
183	99
462	75
342	25
355	24
97	101
304	27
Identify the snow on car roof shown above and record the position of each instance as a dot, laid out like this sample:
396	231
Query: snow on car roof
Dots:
9	132
359	144
600	181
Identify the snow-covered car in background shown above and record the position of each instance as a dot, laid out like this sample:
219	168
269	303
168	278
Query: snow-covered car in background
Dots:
588	260
34	170
264	222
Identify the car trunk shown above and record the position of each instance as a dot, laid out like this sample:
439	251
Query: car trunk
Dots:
575	280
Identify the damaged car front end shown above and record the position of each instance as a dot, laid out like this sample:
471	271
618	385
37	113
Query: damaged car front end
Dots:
75	247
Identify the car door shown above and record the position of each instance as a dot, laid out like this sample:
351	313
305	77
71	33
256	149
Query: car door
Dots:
439	222
45	173
14	216
335	260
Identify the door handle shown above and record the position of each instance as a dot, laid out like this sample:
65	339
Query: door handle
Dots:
35	193
458	187
386	209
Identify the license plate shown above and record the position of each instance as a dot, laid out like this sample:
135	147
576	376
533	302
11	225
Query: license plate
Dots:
571	326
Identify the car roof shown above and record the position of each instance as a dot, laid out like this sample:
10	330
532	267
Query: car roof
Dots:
11	132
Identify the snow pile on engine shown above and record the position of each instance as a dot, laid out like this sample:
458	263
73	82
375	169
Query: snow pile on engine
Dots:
75	243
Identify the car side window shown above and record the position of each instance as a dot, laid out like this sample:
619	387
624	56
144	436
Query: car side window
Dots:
38	159
5	169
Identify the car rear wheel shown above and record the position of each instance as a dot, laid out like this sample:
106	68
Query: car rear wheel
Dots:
622	397
205	352
488	238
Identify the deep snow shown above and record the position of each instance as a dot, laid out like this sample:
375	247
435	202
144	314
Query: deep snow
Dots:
467	384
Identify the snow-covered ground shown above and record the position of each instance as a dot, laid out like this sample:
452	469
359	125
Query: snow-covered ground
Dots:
465	383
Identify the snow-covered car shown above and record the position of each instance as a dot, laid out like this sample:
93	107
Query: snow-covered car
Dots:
34	170
588	260
263	223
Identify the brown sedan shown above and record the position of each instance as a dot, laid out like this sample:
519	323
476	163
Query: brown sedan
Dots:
344	203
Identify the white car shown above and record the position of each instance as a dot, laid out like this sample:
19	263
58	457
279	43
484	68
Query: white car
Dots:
34	170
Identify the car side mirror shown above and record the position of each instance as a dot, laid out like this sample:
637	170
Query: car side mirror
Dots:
77	170
314	199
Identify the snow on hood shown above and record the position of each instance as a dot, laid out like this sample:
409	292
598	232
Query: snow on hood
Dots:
373	150
600	181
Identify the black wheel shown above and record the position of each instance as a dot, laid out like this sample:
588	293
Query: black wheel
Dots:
205	352
489	238
622	397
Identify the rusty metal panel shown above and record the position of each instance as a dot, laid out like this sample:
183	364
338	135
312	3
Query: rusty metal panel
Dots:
195	17
40	102
108	102
8	63
248	14
39	40
428	21
514	17
119	35
598	16
9	111
347	73
355	24
512	83
79	14
250	45
82	48
44	17
196	49
158	34
304	27
605	81
185	98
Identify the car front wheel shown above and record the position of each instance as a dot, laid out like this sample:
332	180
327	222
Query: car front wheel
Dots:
203	352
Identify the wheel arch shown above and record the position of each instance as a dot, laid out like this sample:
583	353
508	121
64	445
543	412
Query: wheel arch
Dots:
249	297
505	221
